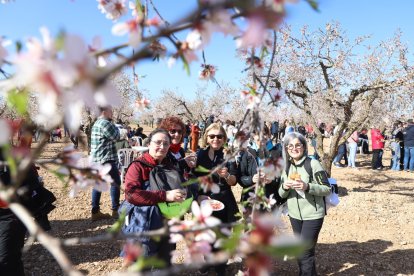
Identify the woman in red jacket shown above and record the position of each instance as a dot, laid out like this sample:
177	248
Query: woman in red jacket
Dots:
141	198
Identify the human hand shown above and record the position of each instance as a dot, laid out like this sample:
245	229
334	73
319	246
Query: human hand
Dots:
288	184
223	172
191	160
176	195
299	185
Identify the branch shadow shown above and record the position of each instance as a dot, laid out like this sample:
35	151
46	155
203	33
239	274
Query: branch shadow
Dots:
78	254
356	258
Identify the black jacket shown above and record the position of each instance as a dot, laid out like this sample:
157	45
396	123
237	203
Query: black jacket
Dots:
247	168
409	136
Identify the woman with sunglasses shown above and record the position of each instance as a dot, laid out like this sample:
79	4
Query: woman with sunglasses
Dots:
177	130
209	158
305	196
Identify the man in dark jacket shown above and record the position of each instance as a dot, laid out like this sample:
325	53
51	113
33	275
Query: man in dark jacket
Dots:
409	146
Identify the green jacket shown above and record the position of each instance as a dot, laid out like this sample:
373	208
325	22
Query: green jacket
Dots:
313	205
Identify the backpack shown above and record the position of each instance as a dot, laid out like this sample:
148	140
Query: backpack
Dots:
331	200
163	177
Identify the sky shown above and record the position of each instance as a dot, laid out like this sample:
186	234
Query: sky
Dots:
23	18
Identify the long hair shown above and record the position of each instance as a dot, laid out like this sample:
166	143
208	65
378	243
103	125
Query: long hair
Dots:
169	122
215	126
287	139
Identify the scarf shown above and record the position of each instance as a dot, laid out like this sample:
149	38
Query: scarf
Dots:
175	148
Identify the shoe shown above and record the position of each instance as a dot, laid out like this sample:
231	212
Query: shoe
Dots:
338	165
99	216
115	214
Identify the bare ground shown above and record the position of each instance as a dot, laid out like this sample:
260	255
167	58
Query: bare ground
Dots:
371	232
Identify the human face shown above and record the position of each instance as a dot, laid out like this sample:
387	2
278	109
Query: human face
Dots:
295	149
215	139
176	133
158	146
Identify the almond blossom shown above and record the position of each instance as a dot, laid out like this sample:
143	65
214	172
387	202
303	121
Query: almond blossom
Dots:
132	28
142	103
3	51
6	133
97	178
277	94
113	9
208	72
207	184
202	214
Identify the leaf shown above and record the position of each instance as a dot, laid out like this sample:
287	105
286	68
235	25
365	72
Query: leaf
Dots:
202	169
293	249
186	65
18	100
146	262
233	241
116	227
19	46
189	182
314	4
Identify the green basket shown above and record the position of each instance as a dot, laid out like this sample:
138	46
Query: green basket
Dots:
175	209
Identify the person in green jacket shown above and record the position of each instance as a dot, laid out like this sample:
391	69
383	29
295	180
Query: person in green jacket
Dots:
305	196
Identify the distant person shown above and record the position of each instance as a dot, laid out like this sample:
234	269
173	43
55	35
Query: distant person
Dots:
195	135
187	136
103	151
209	121
377	141
396	154
353	146
409	146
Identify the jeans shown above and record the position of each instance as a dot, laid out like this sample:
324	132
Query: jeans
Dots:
114	191
341	152
185	144
377	158
308	230
409	158
352	154
395	162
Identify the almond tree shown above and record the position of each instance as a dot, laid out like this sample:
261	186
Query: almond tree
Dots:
332	78
70	74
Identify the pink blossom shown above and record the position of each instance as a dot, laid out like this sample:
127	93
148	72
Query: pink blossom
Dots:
142	103
208	72
131	27
277	94
113	9
207	184
3	51
5	132
202	214
132	252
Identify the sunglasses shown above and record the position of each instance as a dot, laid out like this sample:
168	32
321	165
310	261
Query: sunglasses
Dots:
218	136
174	131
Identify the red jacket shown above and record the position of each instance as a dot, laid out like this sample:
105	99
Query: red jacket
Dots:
135	177
377	139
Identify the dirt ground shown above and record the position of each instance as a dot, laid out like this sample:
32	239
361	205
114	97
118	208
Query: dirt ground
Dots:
371	232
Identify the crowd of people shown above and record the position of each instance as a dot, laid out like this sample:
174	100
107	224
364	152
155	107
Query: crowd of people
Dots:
175	149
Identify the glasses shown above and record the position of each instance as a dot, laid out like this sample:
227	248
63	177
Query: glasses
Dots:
160	142
297	146
218	136
174	131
